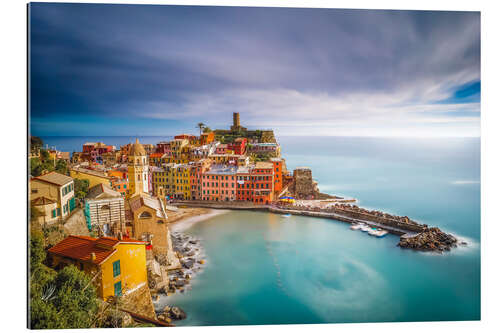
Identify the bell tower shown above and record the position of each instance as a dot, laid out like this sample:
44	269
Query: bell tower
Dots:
138	170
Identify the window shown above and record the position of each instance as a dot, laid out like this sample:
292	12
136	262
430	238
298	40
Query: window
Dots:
116	268
58	211
118	288
54	213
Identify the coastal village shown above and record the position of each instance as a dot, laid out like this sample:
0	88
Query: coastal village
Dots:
108	211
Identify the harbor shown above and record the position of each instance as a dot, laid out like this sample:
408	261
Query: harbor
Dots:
412	234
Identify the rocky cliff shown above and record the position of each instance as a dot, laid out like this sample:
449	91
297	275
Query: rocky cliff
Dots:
431	239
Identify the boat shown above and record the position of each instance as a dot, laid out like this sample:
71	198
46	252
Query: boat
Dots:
286	215
381	233
365	228
356	226
373	231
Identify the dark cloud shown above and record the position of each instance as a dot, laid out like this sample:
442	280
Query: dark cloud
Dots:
121	60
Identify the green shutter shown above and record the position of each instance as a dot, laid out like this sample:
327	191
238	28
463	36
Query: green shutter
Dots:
53	213
118	288
116	268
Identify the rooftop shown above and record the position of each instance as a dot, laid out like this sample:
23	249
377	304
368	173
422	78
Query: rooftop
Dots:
138	201
263	165
82	247
102	191
54	178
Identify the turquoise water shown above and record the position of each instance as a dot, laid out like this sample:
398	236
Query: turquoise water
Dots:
265	269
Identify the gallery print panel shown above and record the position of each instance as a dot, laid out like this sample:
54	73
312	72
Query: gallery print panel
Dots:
204	165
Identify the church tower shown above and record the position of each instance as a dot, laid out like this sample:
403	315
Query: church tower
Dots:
138	177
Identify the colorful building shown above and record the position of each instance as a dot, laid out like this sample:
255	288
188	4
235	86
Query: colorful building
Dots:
118	265
93	176
206	138
238	147
262	179
56	187
219	183
155	159
196	172
278	174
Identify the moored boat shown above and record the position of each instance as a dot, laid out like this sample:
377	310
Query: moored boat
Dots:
356	226
365	228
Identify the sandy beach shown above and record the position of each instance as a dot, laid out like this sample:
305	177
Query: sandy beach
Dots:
184	218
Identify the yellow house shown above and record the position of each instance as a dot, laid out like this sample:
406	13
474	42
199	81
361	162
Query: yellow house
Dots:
56	187
117	266
93	176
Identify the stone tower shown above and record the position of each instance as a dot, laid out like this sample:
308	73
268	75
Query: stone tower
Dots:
236	119
236	123
138	176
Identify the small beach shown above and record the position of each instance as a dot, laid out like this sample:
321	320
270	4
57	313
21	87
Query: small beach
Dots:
190	216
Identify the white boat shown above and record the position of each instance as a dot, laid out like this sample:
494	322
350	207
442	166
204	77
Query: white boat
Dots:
381	233
365	228
286	215
373	231
356	226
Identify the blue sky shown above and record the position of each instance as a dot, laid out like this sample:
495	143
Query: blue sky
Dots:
159	70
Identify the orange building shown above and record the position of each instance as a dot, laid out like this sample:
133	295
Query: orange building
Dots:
207	138
278	174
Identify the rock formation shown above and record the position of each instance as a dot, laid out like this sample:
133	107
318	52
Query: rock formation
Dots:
304	186
431	239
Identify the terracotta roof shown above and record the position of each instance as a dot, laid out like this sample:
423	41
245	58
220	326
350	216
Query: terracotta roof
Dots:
153	155
55	178
42	201
82	247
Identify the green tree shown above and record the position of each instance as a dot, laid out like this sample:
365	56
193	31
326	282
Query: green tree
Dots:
36	142
35	213
207	129
44	155
68	300
81	188
62	167
200	126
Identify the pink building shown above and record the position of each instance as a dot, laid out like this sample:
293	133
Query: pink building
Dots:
219	183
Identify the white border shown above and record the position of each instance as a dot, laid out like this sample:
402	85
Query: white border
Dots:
13	84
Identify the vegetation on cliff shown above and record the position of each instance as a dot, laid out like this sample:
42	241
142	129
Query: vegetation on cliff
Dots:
64	299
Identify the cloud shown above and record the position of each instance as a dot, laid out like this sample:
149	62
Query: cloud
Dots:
353	71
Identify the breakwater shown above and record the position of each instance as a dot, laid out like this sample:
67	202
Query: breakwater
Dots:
412	234
342	212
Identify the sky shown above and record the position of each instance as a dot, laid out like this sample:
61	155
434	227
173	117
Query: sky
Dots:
99	70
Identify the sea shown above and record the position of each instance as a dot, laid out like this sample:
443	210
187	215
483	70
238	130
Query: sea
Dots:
263	268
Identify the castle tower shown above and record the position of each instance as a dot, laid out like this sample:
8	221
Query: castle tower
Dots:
236	119
137	170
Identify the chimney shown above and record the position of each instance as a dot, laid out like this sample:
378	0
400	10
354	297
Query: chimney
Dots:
92	257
